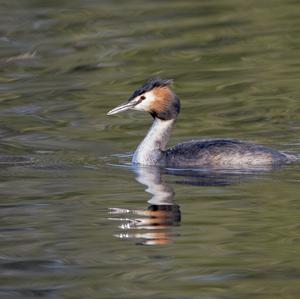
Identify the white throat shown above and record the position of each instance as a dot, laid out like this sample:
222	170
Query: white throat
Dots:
151	149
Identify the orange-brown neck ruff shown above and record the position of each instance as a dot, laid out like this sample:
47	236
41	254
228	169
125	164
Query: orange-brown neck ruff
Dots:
166	105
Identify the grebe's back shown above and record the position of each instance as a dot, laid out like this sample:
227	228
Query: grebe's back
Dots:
222	153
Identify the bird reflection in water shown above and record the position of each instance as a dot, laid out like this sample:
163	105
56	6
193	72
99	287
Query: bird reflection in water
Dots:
152	226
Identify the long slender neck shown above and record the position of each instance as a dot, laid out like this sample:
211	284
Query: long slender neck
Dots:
151	149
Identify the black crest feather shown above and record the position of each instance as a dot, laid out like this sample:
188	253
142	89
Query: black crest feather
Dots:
149	85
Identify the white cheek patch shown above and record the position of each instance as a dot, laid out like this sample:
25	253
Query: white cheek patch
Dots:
145	104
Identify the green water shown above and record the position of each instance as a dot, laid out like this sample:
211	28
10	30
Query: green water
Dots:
75	220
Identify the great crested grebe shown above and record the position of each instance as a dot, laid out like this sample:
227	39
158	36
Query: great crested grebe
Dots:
157	98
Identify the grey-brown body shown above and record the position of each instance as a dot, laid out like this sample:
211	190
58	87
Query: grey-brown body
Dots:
222	153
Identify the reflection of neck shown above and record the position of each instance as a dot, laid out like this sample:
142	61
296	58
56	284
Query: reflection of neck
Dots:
150	150
151	177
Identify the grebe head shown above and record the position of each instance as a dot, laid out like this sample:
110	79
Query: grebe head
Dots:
155	97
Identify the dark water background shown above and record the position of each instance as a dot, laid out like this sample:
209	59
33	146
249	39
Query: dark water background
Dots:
75	221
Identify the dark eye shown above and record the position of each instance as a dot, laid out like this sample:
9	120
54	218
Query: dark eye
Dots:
142	97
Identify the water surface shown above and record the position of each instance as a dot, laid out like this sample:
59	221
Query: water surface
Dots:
76	221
